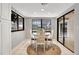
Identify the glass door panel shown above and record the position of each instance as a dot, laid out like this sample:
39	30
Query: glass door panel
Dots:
65	30
69	31
60	30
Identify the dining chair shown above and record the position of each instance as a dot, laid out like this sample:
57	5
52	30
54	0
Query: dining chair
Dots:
40	39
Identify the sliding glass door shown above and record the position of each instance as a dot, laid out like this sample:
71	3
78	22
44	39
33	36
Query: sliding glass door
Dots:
60	30
65	30
69	31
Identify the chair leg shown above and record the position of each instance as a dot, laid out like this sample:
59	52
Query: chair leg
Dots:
36	47
44	47
51	43
47	44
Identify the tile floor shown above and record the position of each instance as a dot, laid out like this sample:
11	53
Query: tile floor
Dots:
21	49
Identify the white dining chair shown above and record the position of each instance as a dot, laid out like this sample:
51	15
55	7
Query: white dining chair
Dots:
40	39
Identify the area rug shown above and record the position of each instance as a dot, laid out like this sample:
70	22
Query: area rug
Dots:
51	50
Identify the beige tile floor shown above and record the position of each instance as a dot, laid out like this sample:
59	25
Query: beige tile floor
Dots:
21	49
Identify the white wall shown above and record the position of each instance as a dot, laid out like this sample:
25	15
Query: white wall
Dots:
6	36
28	28
5	18
0	38
77	29
18	36
54	27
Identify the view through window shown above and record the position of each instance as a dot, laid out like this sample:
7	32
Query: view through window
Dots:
41	23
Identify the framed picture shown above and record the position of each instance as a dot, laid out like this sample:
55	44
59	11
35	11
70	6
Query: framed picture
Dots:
17	22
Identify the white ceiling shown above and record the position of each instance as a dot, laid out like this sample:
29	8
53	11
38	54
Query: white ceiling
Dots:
34	9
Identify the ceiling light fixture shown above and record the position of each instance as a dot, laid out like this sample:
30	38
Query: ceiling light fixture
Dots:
42	9
43	4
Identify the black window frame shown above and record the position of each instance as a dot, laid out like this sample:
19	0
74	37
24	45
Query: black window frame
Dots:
17	19
41	21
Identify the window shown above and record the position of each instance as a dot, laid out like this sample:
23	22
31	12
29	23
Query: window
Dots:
17	22
46	24
36	23
41	23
